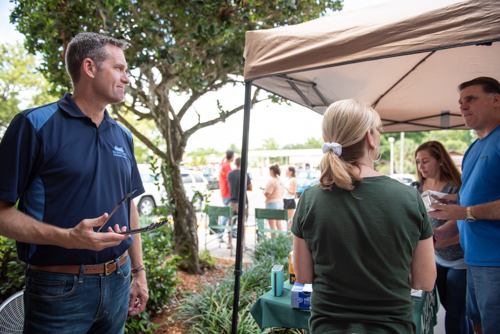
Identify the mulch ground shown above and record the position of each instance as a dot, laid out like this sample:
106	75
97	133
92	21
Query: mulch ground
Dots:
167	319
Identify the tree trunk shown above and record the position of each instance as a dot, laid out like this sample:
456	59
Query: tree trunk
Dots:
185	224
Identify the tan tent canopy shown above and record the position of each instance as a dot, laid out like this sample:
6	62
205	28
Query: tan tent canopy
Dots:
406	58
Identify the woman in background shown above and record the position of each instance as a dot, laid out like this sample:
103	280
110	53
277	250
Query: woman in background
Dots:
362	238
289	194
437	172
274	193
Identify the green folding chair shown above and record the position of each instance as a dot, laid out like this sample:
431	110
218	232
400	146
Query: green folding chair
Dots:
214	213
262	214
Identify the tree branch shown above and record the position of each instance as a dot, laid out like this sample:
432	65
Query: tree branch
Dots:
139	135
213	86
199	126
194	96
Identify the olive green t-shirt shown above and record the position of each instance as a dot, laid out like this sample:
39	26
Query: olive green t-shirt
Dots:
362	249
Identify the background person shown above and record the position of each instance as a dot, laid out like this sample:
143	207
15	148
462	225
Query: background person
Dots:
233	178
437	172
225	168
289	193
274	193
65	162
349	228
478	211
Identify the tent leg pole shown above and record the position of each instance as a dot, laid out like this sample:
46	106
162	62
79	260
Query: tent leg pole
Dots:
241	205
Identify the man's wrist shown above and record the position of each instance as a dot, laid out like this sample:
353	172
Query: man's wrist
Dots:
468	215
138	270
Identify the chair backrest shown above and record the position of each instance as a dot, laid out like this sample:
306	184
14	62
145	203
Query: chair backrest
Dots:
271	214
214	212
12	314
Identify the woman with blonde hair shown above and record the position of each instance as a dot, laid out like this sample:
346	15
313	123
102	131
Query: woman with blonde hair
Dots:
437	172
362	238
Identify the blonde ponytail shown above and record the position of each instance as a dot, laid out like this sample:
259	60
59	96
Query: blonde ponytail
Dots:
345	122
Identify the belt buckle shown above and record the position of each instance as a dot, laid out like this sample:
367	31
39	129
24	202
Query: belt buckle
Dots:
106	270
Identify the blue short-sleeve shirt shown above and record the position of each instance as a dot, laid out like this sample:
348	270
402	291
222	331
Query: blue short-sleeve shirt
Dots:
64	169
481	184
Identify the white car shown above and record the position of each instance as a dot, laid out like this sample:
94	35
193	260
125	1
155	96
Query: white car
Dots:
193	181
406	179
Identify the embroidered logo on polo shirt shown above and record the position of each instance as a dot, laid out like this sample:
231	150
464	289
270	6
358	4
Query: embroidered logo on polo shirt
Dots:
119	152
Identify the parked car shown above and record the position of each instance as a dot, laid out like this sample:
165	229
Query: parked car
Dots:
210	173
195	184
305	179
406	179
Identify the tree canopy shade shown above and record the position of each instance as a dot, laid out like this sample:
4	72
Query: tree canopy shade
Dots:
191	47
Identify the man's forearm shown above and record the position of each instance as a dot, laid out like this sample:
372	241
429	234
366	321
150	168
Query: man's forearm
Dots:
135	251
21	227
487	211
18	226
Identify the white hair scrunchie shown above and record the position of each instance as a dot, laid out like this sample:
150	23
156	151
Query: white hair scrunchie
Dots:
335	147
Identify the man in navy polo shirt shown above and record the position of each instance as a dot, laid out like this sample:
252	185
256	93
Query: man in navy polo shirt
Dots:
67	163
478	211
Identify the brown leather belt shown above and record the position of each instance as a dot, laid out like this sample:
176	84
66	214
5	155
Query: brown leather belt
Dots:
105	268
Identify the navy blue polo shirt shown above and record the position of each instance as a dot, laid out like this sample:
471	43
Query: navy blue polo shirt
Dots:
63	169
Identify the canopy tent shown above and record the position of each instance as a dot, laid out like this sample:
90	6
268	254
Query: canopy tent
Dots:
405	58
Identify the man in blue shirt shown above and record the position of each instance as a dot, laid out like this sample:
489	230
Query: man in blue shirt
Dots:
478	211
67	163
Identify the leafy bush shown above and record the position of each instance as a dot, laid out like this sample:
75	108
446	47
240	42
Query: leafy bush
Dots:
278	248
161	269
206	260
210	309
11	269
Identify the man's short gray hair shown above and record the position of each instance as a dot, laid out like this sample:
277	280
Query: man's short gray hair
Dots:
88	45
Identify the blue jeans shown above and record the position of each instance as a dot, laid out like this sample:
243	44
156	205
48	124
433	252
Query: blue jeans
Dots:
452	284
224	220
483	301
275	205
73	304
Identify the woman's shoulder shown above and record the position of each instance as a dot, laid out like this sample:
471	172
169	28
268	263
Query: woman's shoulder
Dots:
450	188
389	185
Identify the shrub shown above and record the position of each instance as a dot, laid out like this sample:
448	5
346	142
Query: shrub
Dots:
161	269
210	309
206	260
11	269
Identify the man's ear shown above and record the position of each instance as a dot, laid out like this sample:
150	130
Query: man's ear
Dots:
496	100
89	68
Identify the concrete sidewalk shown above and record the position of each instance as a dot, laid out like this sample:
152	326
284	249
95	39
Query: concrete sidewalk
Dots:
221	250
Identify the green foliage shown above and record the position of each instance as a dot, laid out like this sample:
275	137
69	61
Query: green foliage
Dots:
197	42
310	143
206	260
210	309
270	144
202	155
458	140
140	323
161	269
277	248
18	75
11	269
